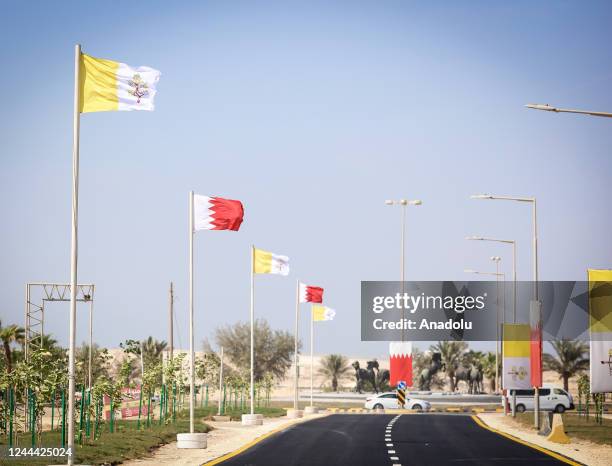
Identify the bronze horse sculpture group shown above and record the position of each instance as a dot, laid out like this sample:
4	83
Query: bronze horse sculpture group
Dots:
377	378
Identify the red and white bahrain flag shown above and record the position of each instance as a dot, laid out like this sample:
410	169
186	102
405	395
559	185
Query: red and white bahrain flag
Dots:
216	213
535	354
310	294
400	362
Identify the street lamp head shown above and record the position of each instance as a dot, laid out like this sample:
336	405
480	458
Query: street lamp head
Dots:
469	271
481	196
546	107
388	202
403	201
495	258
474	238
416	202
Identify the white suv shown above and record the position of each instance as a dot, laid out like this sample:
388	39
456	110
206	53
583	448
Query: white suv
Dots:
551	399
389	401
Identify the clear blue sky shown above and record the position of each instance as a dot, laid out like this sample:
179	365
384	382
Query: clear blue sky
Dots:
311	113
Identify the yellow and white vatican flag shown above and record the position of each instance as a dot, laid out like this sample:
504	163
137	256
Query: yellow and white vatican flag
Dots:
600	329
516	350
107	86
321	313
268	262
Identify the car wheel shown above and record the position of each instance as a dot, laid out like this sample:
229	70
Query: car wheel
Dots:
520	408
559	409
378	406
417	407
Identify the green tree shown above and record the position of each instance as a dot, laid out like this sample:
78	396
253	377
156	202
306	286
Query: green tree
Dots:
334	367
452	355
571	359
9	335
100	363
273	348
152	350
488	368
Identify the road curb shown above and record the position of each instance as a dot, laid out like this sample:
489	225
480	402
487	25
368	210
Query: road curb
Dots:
554	454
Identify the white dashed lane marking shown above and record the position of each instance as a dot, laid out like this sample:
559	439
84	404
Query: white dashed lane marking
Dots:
388	430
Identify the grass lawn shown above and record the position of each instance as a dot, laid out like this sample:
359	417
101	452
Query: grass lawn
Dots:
126	442
578	427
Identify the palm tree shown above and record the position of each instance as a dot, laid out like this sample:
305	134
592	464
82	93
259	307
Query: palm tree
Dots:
334	367
9	335
488	368
152	350
452	354
571	359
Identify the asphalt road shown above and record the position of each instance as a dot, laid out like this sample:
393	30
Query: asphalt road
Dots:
370	440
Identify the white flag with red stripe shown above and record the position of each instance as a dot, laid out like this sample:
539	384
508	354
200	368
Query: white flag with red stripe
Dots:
310	294
216	213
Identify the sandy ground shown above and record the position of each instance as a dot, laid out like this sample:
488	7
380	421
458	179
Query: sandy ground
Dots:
581	450
226	437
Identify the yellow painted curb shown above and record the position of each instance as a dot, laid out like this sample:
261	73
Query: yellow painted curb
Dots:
253	442
454	410
546	451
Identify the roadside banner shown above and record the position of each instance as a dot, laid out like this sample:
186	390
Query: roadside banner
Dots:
535	356
130	401
600	328
400	362
516	351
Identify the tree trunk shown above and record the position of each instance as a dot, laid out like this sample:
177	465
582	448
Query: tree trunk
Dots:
334	384
7	352
566	382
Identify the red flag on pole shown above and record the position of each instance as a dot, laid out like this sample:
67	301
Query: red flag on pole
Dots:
535	355
216	213
311	294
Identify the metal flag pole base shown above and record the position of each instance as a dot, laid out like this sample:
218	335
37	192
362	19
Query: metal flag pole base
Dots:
192	440
252	419
294	413
311	410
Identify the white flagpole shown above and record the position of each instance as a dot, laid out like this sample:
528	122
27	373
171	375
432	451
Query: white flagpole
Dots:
191	350
252	332
311	353
73	250
295	354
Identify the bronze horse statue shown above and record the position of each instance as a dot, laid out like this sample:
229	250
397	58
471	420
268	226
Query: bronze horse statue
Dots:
363	375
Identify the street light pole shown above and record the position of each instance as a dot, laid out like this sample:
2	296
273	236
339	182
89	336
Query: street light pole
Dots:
496	274
403	203
536	305
550	108
507	241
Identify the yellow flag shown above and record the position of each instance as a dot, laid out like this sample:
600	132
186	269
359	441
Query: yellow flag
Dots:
107	85
320	313
268	262
600	326
516	368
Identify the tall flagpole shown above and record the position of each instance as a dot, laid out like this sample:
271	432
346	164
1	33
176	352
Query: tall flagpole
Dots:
191	350
295	350
311	353
252	333
73	250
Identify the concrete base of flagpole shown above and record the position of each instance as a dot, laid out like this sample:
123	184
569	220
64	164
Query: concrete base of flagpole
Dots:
252	419
311	410
195	440
294	413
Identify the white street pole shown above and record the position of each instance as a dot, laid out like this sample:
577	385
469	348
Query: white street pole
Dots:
252	332
220	382
311	353
141	364
74	251
90	341
295	349
171	323
402	271
497	259
191	349
536	405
